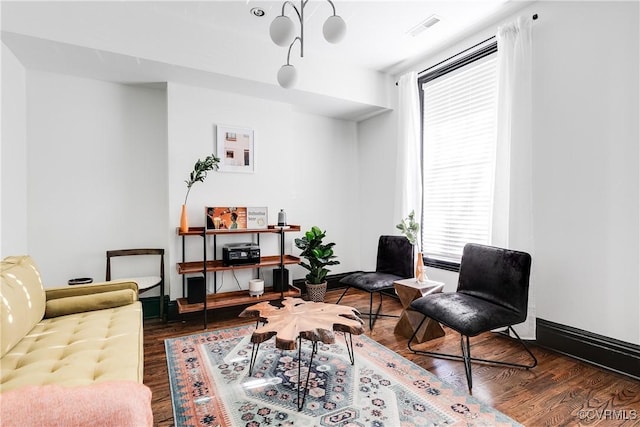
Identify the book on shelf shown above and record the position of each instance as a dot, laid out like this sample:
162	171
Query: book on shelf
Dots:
235	218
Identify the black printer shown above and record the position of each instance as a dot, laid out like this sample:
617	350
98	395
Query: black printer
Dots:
240	253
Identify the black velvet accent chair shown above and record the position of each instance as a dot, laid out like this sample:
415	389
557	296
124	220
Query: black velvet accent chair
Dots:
394	262
493	290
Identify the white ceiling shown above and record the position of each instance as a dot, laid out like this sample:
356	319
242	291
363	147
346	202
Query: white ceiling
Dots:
377	35
220	44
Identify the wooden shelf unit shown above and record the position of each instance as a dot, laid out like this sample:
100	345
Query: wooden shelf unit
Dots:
217	265
232	299
199	231
235	298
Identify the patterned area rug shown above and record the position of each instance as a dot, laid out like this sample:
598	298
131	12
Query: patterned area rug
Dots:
211	386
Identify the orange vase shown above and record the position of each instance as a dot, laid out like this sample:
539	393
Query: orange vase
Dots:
184	221
421	276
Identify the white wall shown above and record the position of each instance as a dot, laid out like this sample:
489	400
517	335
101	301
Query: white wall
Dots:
305	164
97	172
13	156
586	163
103	161
586	160
377	153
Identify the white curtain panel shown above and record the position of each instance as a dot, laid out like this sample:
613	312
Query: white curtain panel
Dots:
512	221
408	180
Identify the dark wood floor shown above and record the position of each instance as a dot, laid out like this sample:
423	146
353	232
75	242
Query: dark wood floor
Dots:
560	391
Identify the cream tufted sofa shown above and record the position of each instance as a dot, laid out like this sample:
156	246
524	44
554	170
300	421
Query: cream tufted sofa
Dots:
60	346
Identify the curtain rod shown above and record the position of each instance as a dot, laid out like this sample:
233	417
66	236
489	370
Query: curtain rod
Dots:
535	16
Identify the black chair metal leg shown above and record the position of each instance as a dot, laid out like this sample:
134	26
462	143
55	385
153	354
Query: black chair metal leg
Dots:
372	316
345	291
466	354
535	361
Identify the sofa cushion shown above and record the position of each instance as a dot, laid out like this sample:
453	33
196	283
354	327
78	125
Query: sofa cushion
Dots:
98	301
73	291
114	403
78	349
23	300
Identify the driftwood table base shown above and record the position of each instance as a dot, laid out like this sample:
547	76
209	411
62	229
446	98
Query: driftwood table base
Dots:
298	319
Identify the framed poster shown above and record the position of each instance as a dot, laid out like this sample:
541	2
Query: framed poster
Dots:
226	218
257	218
235	148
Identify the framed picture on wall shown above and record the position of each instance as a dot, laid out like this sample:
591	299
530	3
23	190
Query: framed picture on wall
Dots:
235	148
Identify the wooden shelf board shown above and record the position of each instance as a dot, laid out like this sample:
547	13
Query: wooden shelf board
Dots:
217	265
199	231
232	299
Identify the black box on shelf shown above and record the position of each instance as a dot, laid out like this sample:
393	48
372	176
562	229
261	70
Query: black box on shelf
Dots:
196	290
240	253
277	287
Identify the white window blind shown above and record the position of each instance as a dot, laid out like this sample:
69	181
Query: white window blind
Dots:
459	123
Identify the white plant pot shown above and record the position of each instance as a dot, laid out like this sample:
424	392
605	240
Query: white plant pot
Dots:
256	287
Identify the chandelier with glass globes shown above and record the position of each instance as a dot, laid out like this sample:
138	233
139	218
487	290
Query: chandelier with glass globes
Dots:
282	32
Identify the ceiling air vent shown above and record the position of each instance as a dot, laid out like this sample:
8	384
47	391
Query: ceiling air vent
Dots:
427	23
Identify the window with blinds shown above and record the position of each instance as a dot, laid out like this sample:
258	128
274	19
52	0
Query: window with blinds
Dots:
458	155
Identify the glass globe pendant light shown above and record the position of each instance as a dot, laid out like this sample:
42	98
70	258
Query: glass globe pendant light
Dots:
282	31
334	29
287	76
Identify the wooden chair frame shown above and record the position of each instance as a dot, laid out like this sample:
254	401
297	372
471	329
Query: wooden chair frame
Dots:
135	252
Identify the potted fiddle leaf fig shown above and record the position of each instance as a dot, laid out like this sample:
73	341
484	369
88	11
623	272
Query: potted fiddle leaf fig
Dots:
198	174
318	256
